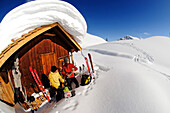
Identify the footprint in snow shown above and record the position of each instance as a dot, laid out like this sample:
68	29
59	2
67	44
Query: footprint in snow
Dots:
87	88
54	107
71	105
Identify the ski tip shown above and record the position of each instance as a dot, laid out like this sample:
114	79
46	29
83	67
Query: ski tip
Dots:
30	67
35	70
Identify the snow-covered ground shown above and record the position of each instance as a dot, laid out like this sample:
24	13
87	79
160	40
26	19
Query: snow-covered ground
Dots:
6	108
132	76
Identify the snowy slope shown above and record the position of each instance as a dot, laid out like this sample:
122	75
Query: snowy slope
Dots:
34	14
90	40
131	77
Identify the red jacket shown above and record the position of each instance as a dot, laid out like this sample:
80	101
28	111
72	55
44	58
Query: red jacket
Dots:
68	69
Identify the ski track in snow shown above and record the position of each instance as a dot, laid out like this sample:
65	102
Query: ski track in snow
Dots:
146	61
131	45
110	53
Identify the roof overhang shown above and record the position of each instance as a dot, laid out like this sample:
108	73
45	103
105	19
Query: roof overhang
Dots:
17	44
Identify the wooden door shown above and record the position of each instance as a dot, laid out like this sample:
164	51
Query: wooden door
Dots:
48	60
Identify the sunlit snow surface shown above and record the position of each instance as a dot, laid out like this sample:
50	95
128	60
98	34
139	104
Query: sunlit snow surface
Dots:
131	77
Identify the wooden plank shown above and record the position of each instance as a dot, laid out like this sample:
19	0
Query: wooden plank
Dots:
49	34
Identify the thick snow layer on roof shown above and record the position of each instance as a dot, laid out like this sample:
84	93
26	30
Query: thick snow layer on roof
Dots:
34	14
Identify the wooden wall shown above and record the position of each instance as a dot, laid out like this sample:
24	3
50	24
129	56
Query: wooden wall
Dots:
41	54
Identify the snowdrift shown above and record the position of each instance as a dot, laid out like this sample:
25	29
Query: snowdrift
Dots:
132	76
34	14
91	40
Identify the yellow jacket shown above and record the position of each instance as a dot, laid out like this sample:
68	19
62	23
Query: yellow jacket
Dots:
54	79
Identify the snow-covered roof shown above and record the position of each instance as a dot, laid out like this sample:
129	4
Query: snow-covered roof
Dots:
34	14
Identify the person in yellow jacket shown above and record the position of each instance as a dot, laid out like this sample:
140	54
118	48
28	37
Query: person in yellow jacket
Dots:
55	79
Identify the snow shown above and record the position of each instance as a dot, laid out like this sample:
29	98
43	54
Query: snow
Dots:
90	40
131	76
5	108
34	14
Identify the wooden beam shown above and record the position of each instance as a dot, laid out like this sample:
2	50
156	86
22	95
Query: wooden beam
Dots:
63	57
49	34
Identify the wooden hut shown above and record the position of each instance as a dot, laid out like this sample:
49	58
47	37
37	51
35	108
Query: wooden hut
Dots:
41	48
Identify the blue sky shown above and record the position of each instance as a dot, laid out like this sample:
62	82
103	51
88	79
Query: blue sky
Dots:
114	19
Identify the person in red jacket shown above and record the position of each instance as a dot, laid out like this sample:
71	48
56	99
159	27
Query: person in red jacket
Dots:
68	73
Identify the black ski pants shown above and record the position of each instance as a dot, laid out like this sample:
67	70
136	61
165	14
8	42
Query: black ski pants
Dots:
60	93
69	82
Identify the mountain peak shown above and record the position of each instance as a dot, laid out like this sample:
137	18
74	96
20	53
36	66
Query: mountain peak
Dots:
128	37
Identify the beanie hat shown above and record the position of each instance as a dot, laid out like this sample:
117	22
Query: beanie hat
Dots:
66	59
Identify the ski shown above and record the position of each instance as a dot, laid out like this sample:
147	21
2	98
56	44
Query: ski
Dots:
87	77
90	58
36	81
83	68
39	84
88	67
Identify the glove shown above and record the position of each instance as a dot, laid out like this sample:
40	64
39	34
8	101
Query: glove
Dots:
64	84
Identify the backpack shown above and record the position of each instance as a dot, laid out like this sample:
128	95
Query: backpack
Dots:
85	80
